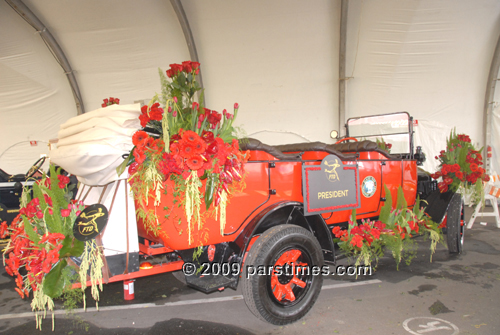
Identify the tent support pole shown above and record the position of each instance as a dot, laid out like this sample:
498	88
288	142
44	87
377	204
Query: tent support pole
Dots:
489	104
54	47
188	35
342	65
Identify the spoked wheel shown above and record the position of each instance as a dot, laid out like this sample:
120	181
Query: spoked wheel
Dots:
455	225
282	288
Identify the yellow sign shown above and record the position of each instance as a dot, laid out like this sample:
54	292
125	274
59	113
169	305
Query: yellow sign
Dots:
332	194
89	227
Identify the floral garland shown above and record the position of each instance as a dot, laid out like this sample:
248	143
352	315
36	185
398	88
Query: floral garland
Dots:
393	230
41	241
184	142
460	168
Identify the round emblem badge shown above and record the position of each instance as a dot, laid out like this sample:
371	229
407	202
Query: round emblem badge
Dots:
90	222
369	186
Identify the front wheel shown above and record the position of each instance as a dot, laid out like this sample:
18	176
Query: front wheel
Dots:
455	224
279	285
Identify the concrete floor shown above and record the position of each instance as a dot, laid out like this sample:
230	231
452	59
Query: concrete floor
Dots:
452	295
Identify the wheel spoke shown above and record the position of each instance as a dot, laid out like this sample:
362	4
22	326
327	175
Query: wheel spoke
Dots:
278	292
288	292
298	282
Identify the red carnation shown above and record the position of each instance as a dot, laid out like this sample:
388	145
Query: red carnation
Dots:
156	114
144	119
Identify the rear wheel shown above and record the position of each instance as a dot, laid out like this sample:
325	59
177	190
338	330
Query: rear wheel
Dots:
275	287
455	224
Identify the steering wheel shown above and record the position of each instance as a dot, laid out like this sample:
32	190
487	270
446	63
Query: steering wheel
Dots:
346	139
35	167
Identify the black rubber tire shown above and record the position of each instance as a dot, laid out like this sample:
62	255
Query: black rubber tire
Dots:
257	289
455	225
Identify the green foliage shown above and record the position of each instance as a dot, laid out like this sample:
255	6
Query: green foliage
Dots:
393	231
71	247
54	282
387	207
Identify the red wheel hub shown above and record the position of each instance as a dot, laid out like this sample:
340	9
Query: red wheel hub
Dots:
283	285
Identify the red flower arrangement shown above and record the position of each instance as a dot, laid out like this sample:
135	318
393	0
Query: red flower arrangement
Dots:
110	101
40	240
184	142
393	231
460	167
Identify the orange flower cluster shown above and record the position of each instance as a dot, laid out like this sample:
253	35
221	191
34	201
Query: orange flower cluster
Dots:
36	259
192	152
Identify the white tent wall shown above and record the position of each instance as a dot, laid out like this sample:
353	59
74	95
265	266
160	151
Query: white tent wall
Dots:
495	131
430	58
35	97
277	59
114	47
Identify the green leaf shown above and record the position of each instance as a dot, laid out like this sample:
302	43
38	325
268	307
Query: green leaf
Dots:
121	168
353	219
385	212
401	203
53	284
71	247
210	190
28	229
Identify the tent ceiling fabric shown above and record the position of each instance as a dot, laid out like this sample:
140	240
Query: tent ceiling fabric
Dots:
277	59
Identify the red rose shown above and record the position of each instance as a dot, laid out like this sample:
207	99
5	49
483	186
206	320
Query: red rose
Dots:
186	66
473	167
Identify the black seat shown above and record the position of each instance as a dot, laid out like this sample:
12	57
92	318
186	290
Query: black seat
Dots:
5	177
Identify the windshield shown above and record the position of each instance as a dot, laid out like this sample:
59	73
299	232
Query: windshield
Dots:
394	129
